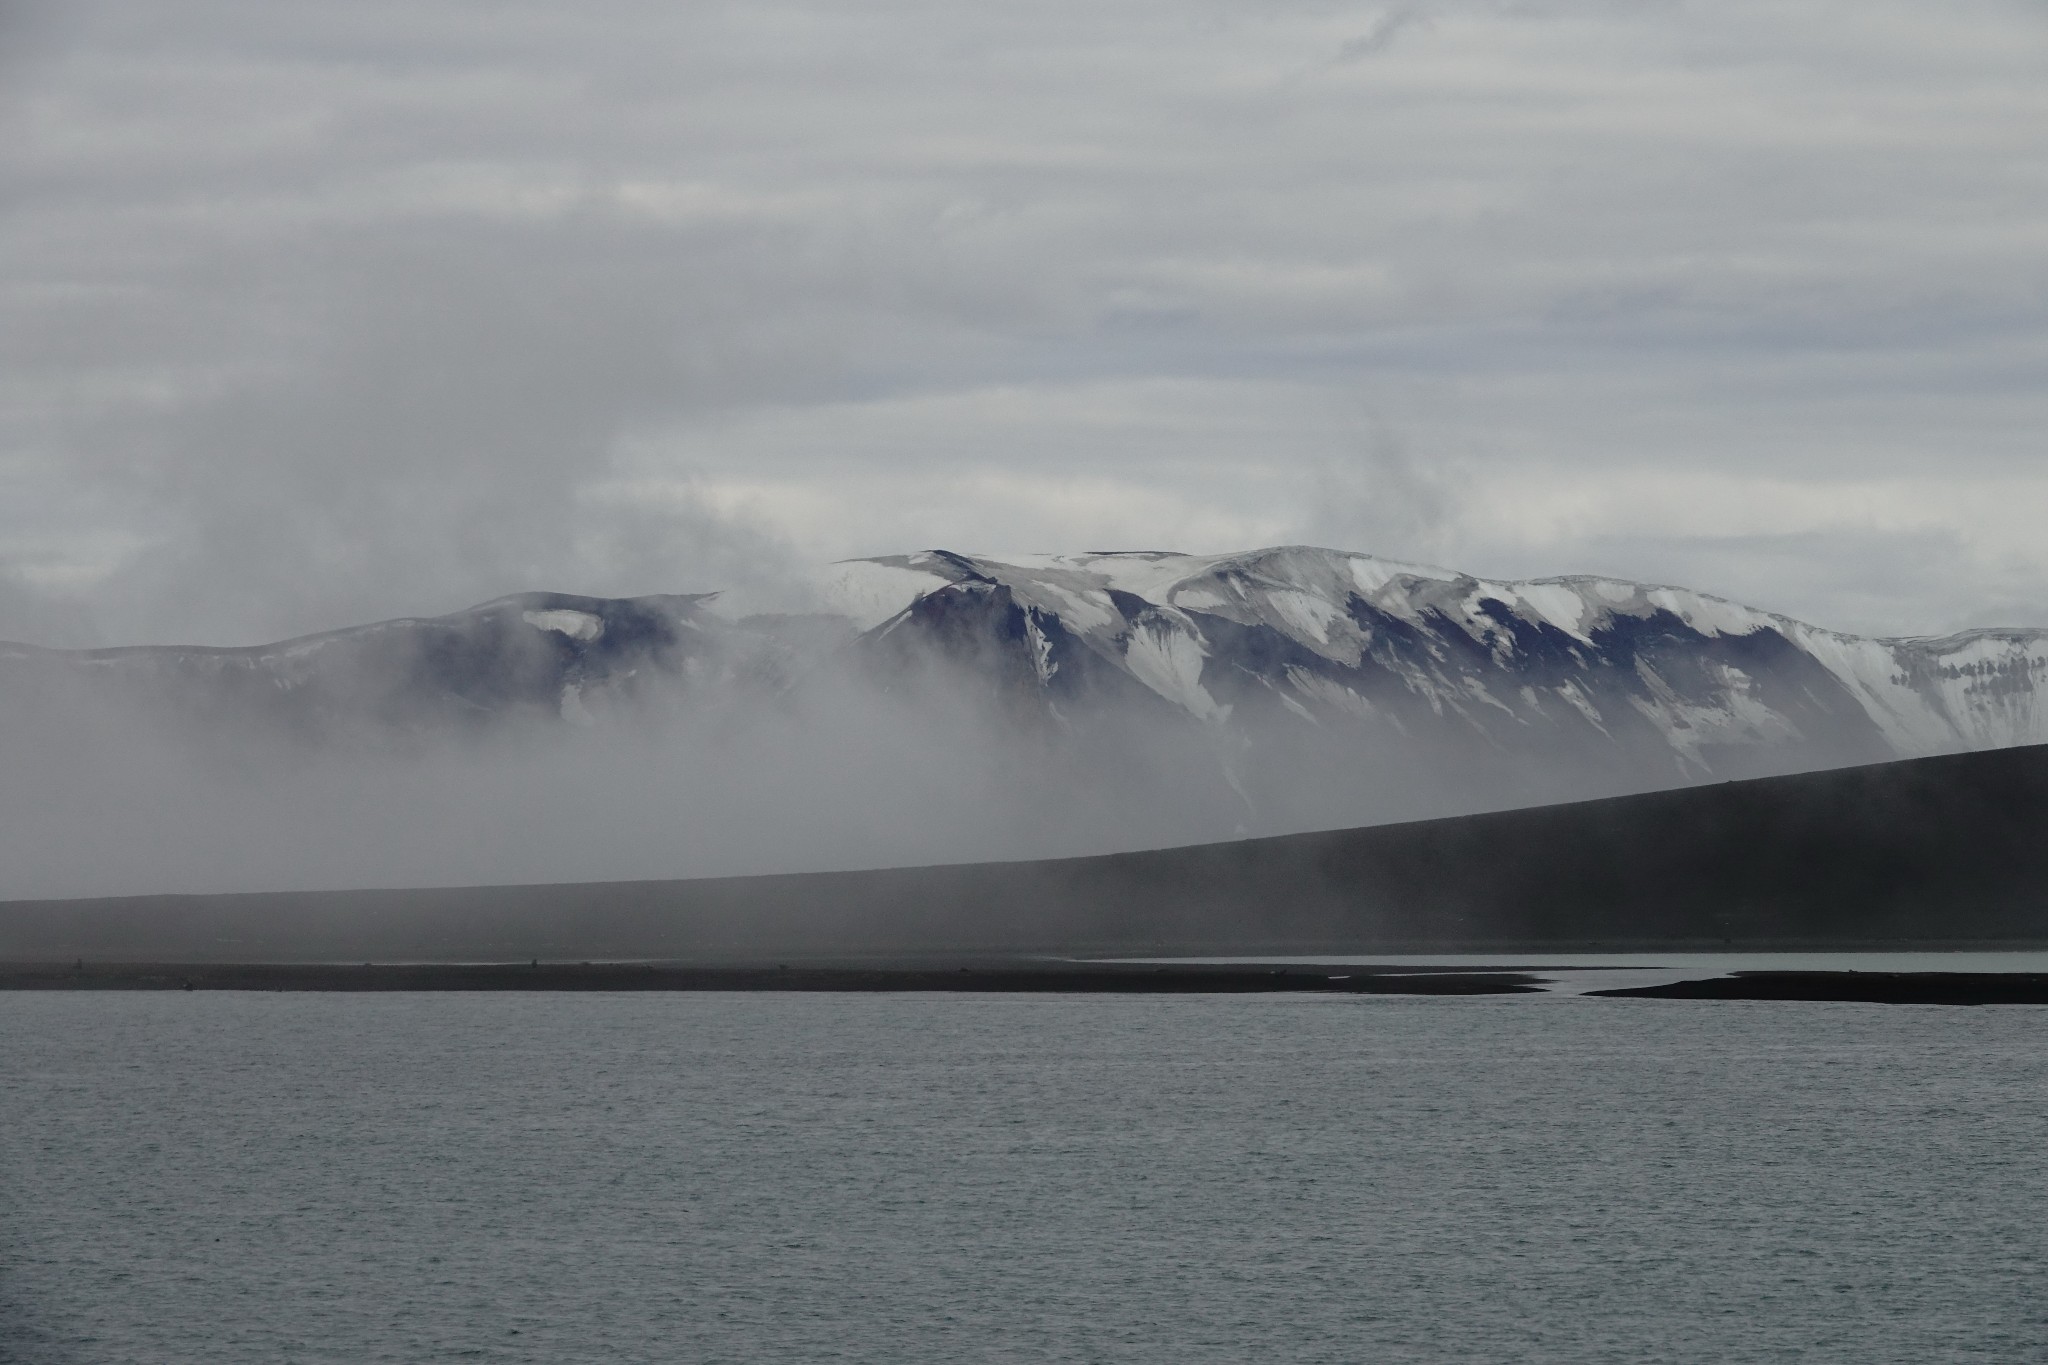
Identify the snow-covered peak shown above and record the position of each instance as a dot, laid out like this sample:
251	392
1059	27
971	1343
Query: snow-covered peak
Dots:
865	592
1305	592
1385	651
1163	577
577	625
1151	614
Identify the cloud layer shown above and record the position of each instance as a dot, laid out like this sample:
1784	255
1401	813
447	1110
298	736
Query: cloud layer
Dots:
315	314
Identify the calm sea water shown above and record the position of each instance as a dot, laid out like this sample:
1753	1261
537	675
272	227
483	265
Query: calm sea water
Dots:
230	1178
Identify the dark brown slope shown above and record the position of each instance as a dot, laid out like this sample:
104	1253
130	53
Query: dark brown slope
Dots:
1937	850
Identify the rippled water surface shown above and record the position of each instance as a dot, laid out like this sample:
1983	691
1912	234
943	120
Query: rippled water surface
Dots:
266	1178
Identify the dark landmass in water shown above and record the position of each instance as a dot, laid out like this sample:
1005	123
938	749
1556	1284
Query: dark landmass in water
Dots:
1935	852
637	976
1872	988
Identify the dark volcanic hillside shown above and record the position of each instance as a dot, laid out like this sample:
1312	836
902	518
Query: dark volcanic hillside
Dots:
940	707
1951	849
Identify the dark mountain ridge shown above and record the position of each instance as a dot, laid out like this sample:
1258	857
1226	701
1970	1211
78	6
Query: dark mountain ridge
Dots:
1032	706
1946	851
1661	683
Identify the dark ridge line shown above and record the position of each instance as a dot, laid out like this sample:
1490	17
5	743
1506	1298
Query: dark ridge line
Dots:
1868	988
1949	852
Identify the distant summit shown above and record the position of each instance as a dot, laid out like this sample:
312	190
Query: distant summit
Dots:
1334	638
1278	676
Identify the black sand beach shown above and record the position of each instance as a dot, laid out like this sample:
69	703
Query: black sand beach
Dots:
1872	988
628	976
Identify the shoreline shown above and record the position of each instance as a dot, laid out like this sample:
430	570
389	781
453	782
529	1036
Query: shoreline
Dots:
1015	978
978	978
1868	988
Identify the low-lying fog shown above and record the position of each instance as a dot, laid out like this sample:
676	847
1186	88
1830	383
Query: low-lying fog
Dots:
103	798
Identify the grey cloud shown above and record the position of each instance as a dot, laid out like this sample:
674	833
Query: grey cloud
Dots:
1854	580
429	443
317	313
1381	35
1388	497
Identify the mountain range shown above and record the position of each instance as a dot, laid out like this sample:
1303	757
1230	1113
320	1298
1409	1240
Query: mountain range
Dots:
1268	665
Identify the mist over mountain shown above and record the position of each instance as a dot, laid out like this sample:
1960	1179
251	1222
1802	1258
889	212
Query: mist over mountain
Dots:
942	707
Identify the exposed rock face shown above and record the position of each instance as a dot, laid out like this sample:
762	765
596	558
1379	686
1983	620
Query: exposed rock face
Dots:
1280	670
1333	638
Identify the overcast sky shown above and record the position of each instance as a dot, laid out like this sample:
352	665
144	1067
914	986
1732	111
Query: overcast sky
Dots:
320	313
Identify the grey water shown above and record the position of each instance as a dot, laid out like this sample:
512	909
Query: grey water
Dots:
233	1177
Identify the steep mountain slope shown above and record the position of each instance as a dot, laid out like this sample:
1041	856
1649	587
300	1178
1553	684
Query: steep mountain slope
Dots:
1942	851
533	656
1568	664
1282	662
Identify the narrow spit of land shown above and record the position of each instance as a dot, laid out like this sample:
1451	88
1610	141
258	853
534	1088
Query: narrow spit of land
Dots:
999	978
1870	988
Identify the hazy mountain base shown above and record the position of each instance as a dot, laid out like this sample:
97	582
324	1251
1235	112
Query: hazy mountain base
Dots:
931	759
948	709
1946	850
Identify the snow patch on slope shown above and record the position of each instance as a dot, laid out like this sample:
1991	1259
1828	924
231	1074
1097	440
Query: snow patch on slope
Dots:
577	625
1169	661
869	592
1923	696
1554	603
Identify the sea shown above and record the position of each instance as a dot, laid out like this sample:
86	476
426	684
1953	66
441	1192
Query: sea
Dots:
725	1177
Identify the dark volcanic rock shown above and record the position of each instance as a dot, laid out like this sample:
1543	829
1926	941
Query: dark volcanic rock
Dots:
1950	850
1002	979
1875	988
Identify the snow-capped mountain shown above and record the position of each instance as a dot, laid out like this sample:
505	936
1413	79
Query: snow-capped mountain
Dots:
528	656
1331	639
1274	659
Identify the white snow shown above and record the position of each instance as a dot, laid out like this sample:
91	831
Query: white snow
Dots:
1369	574
1553	602
1081	610
1998	694
1041	648
864	592
1167	659
1571	693
1709	615
1152	575
869	593
1330	692
1869	669
577	625
1310	616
